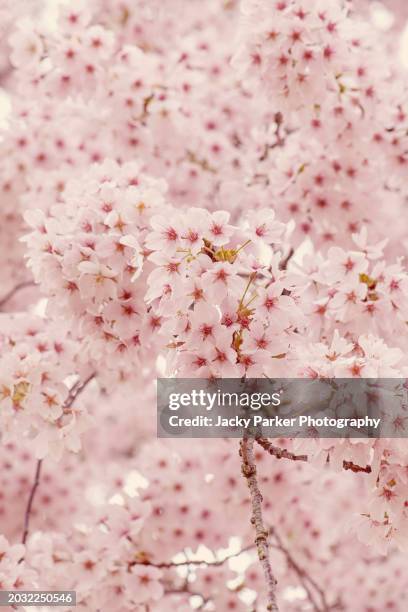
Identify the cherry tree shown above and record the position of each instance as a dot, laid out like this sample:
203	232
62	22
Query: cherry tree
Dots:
210	189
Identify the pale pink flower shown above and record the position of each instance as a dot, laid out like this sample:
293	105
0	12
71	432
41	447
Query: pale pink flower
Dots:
263	226
27	47
219	230
143	584
96	280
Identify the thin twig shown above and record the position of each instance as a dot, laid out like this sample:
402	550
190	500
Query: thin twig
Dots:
279	453
261	533
72	396
76	390
280	139
349	465
284	263
282	453
175	564
27	515
15	290
307	582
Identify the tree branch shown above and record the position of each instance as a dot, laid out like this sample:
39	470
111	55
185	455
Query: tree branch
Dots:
282	453
27	515
261	537
349	465
13	292
284	263
308	583
198	562
279	453
74	392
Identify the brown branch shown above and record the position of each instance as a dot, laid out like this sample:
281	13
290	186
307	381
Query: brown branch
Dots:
77	390
198	562
280	139
284	263
72	395
282	453
261	537
349	465
27	515
15	290
279	453
307	582
202	163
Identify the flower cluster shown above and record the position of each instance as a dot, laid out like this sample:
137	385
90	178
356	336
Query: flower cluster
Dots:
226	313
88	255
359	291
40	374
194	205
13	574
297	51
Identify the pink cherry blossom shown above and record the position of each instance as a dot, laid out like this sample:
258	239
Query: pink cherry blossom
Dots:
202	190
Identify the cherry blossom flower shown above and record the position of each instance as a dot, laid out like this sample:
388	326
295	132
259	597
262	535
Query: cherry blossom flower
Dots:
213	193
